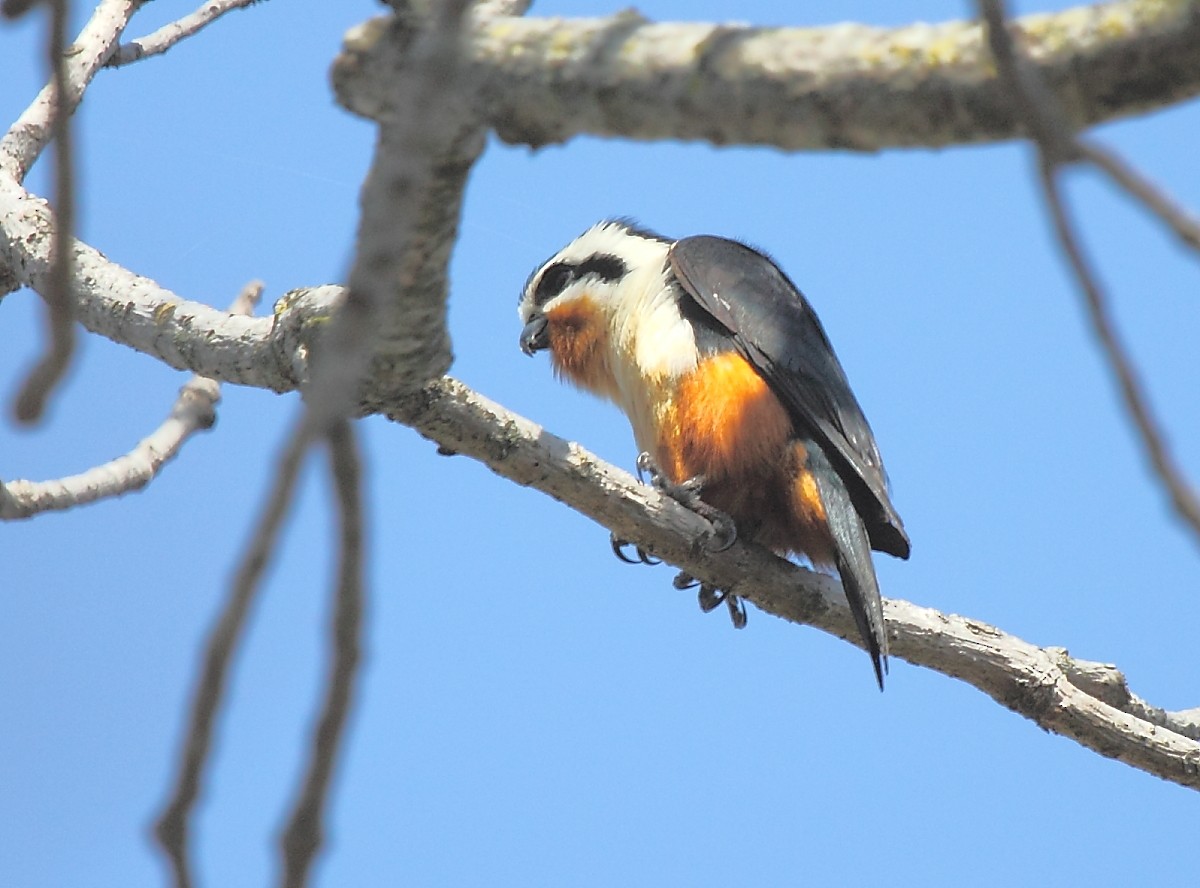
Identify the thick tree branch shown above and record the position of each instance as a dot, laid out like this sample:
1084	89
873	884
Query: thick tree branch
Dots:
411	202
1043	684
843	86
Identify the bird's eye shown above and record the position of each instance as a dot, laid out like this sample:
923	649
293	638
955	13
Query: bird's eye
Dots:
554	280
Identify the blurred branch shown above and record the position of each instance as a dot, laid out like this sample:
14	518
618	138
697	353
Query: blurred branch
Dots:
170	34
844	86
173	826
50	369
1158	202
305	833
194	411
1058	144
395	311
1183	498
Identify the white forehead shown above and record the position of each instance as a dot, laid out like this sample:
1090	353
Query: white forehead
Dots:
636	250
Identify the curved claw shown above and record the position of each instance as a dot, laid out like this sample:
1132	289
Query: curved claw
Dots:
724	531
737	611
618	548
684	580
646	466
710	597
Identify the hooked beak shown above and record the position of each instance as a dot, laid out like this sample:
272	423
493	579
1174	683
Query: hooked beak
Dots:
535	336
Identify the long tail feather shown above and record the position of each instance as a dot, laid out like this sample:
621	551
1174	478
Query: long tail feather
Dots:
852	554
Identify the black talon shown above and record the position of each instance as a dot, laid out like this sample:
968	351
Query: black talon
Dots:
709	597
618	548
724	531
737	611
684	580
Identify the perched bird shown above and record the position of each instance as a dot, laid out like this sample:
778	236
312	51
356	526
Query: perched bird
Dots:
736	399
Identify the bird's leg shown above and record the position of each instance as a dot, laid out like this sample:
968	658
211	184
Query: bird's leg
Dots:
641	556
710	597
687	494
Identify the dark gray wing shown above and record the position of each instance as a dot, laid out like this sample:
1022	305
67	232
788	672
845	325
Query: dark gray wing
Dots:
776	329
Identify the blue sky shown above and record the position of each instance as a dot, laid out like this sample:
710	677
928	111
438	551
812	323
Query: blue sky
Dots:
532	711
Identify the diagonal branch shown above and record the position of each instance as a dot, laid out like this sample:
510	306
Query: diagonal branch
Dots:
1057	142
194	411
33	130
170	34
1137	403
1043	684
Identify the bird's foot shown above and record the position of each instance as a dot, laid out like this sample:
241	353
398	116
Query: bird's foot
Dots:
687	494
641	556
711	597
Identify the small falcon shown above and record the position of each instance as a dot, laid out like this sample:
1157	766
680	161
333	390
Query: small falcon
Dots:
737	401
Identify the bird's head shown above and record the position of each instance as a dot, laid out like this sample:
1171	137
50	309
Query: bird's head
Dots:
572	301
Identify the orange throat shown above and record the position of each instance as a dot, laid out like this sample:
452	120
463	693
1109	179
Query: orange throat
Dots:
579	349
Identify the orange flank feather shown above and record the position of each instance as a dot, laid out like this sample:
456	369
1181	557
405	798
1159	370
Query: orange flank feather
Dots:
579	345
726	424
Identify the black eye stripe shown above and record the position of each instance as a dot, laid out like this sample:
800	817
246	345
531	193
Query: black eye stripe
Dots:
554	280
560	275
605	266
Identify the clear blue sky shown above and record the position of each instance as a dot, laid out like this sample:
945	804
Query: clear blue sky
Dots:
532	711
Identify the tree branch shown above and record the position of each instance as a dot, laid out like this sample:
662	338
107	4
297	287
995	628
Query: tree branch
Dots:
135	311
1043	684
173	828
305	833
33	130
1039	685
168	35
193	411
411	203
1058	143
846	86
49	370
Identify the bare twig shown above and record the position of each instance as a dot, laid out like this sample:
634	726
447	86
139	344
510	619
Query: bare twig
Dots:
193	411
168	35
1058	144
1183	498
32	131
304	834
49	370
1160	204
